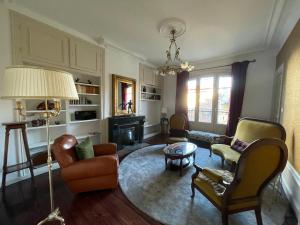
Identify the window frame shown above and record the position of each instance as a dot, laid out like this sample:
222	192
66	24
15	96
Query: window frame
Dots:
213	125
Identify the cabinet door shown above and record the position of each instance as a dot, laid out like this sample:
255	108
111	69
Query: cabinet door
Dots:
149	76
85	56
43	44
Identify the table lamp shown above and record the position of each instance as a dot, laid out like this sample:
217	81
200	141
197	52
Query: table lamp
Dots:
164	112
27	82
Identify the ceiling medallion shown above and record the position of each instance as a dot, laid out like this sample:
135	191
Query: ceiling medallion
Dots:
173	28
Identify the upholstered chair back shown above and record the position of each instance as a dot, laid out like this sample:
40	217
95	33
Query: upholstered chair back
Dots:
261	161
178	121
249	130
64	150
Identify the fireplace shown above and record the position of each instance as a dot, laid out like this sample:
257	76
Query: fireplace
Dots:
126	130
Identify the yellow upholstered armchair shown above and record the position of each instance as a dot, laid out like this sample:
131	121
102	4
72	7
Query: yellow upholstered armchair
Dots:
248	130
178	132
242	190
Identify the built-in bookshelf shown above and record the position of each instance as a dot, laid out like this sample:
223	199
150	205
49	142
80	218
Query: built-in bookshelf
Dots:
89	91
150	93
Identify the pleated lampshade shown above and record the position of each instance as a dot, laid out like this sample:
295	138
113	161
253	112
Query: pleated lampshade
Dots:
26	82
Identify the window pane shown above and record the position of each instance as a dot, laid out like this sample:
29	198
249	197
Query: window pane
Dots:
223	99
225	82
191	99
206	82
206	98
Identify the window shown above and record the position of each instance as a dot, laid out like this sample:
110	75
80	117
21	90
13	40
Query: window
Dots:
209	99
206	99
223	99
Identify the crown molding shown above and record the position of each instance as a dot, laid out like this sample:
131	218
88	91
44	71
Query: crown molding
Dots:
237	55
273	21
108	43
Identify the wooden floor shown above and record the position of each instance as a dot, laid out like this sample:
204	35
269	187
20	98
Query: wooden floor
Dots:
26	205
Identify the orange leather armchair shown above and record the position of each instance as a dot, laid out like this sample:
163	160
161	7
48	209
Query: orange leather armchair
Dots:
100	172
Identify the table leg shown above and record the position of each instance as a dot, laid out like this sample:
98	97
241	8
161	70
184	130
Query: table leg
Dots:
194	158
166	162
181	167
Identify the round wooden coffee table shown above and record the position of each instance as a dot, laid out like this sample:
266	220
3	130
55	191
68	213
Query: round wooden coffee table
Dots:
180	151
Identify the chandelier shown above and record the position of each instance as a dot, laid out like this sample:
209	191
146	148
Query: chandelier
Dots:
174	64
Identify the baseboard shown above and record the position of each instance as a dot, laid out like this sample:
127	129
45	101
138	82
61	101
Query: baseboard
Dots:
36	172
151	135
291	186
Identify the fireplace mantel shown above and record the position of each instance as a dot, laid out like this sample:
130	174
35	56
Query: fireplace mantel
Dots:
119	124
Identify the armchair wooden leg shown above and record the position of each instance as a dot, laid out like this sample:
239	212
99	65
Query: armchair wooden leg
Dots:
224	218
258	216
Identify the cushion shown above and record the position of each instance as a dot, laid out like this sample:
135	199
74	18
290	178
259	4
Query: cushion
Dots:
226	152
239	145
205	136
85	150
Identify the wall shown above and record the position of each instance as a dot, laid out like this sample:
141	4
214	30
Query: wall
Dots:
259	84
289	56
120	62
117	61
7	113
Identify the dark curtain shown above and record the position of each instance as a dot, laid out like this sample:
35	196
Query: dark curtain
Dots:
124	92
181	95
239	71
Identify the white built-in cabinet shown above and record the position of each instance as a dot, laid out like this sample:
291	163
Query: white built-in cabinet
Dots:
151	90
42	44
38	44
84	56
149	76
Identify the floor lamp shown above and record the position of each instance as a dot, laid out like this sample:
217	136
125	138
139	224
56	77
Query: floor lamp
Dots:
26	82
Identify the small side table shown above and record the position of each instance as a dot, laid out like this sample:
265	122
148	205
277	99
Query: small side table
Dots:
180	151
20	166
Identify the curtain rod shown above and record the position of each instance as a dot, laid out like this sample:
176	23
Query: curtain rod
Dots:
214	67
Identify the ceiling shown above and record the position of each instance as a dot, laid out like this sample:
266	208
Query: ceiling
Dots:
215	28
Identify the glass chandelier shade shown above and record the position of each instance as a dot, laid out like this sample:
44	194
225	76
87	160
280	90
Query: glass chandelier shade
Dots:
174	65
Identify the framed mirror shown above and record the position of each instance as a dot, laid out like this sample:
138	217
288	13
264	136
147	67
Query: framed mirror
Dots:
123	95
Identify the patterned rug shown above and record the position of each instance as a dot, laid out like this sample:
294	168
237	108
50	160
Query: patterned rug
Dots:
165	196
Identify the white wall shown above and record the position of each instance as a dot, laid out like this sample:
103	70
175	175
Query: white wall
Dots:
7	113
259	84
120	62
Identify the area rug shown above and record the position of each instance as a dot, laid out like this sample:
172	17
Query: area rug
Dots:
165	196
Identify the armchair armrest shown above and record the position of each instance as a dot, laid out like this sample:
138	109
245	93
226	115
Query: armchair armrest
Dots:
105	149
198	170
220	176
97	166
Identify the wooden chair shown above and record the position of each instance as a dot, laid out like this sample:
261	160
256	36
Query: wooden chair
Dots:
242	190
178	132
